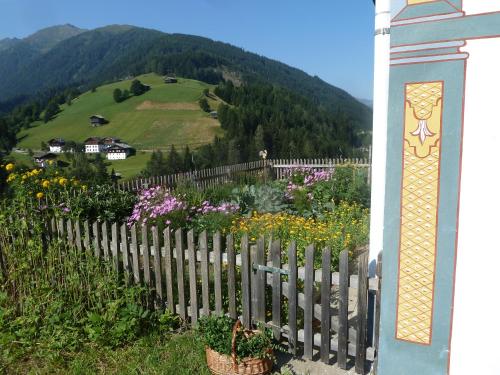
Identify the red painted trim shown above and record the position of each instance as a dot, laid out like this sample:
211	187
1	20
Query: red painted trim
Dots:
437	212
453	5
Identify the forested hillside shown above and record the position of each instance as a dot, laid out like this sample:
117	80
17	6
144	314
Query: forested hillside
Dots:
110	53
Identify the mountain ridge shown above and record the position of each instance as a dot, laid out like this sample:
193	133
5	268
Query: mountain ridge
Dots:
112	52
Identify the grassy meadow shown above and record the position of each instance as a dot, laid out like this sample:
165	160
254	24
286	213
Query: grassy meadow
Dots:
167	114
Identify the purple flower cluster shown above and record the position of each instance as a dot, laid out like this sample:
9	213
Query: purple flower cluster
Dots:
224	208
155	203
302	177
316	176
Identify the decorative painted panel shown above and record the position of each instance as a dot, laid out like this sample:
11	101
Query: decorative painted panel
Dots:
412	2
419	204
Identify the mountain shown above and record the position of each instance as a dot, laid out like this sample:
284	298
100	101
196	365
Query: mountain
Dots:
47	38
8	43
106	54
43	40
367	102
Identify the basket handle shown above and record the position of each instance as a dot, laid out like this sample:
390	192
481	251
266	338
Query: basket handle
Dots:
236	327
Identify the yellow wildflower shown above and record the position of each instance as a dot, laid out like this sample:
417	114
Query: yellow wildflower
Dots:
46	183
9	167
63	181
39	195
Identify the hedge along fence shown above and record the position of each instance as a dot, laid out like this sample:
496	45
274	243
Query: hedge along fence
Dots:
278	169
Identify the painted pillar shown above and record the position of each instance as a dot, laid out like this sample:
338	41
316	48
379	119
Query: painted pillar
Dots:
380	98
441	249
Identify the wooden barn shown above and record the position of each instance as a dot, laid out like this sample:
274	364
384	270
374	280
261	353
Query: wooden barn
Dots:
170	79
97	120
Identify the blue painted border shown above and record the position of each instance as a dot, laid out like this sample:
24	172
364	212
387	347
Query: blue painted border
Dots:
468	27
397	357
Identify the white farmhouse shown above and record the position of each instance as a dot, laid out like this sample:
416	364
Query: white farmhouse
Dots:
56	145
94	145
118	151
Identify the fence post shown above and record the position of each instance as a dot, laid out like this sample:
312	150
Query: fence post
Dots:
123	248
231	276
217	273
105	241
97	240
115	246
167	243
157	268
292	298
362	313
343	330
179	251
245	281
308	302
276	287
326	283
257	258
135	255
193	293
205	280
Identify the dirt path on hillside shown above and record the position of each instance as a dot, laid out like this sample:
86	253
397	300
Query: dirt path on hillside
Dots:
149	105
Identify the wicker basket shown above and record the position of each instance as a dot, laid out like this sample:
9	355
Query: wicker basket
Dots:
221	364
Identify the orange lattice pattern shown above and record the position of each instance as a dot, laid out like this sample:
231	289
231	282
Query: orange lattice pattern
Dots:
419	213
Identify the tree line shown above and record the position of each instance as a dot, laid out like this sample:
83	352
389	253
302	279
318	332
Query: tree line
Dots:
261	117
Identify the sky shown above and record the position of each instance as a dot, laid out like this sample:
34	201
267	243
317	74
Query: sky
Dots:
332	39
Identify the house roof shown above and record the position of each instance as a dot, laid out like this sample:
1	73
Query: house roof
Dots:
93	141
118	147
44	155
97	116
56	142
111	139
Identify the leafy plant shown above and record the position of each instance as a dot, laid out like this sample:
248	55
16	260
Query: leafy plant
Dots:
261	198
216	332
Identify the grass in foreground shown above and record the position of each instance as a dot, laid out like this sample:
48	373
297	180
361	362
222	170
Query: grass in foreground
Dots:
179	354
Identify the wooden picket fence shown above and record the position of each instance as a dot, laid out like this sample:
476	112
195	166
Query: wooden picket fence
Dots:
312	310
203	178
283	167
278	169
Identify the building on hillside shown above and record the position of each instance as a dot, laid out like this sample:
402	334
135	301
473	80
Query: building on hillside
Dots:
107	141
94	145
214	115
170	79
97	120
56	145
118	151
43	159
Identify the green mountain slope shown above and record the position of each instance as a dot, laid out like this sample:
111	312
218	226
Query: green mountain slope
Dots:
165	115
109	53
